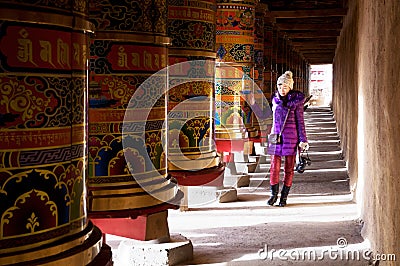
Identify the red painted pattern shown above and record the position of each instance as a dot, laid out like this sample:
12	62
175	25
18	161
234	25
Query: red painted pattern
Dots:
36	47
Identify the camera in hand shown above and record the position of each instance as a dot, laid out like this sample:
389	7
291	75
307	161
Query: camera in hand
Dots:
303	162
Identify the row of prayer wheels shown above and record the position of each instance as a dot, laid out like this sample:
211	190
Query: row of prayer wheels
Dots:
102	104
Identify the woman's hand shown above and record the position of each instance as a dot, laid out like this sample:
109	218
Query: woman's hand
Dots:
304	146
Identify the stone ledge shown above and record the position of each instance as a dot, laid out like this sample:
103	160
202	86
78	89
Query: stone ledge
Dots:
227	195
135	252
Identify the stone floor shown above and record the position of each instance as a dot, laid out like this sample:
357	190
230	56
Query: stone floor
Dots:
318	226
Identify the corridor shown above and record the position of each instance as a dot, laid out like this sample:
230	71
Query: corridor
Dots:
319	224
99	131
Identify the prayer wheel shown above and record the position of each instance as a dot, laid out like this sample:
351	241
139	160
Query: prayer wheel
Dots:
192	155
281	61
274	59
235	68
43	132
259	64
296	70
127	96
268	53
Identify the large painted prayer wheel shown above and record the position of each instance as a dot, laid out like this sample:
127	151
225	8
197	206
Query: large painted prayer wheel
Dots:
274	59
43	133
282	54
268	60
296	70
128	171
259	63
192	156
235	68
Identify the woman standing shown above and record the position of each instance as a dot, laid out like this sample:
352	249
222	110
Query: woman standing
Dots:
288	121
286	102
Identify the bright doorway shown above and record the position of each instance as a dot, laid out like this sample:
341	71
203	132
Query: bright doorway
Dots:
321	84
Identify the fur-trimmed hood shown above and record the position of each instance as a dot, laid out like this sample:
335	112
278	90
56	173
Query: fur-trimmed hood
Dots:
293	99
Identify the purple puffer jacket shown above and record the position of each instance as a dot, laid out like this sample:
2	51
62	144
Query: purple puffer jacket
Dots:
294	131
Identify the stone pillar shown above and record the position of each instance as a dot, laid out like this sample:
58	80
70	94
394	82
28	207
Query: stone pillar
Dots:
127	96
43	155
192	155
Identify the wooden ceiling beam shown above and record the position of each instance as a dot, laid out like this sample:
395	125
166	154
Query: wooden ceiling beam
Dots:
308	13
298	45
315	47
308	26
304	48
327	58
320	56
316	40
323	62
313	34
327	52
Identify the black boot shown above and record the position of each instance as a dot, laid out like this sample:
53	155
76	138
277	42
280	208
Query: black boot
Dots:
284	195
274	194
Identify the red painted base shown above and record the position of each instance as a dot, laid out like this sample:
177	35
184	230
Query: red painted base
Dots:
208	177
146	227
227	147
133	213
230	145
141	224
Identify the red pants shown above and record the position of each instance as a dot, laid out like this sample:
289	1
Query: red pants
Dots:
276	167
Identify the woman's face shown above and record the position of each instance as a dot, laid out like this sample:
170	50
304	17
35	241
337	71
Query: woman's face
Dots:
283	89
